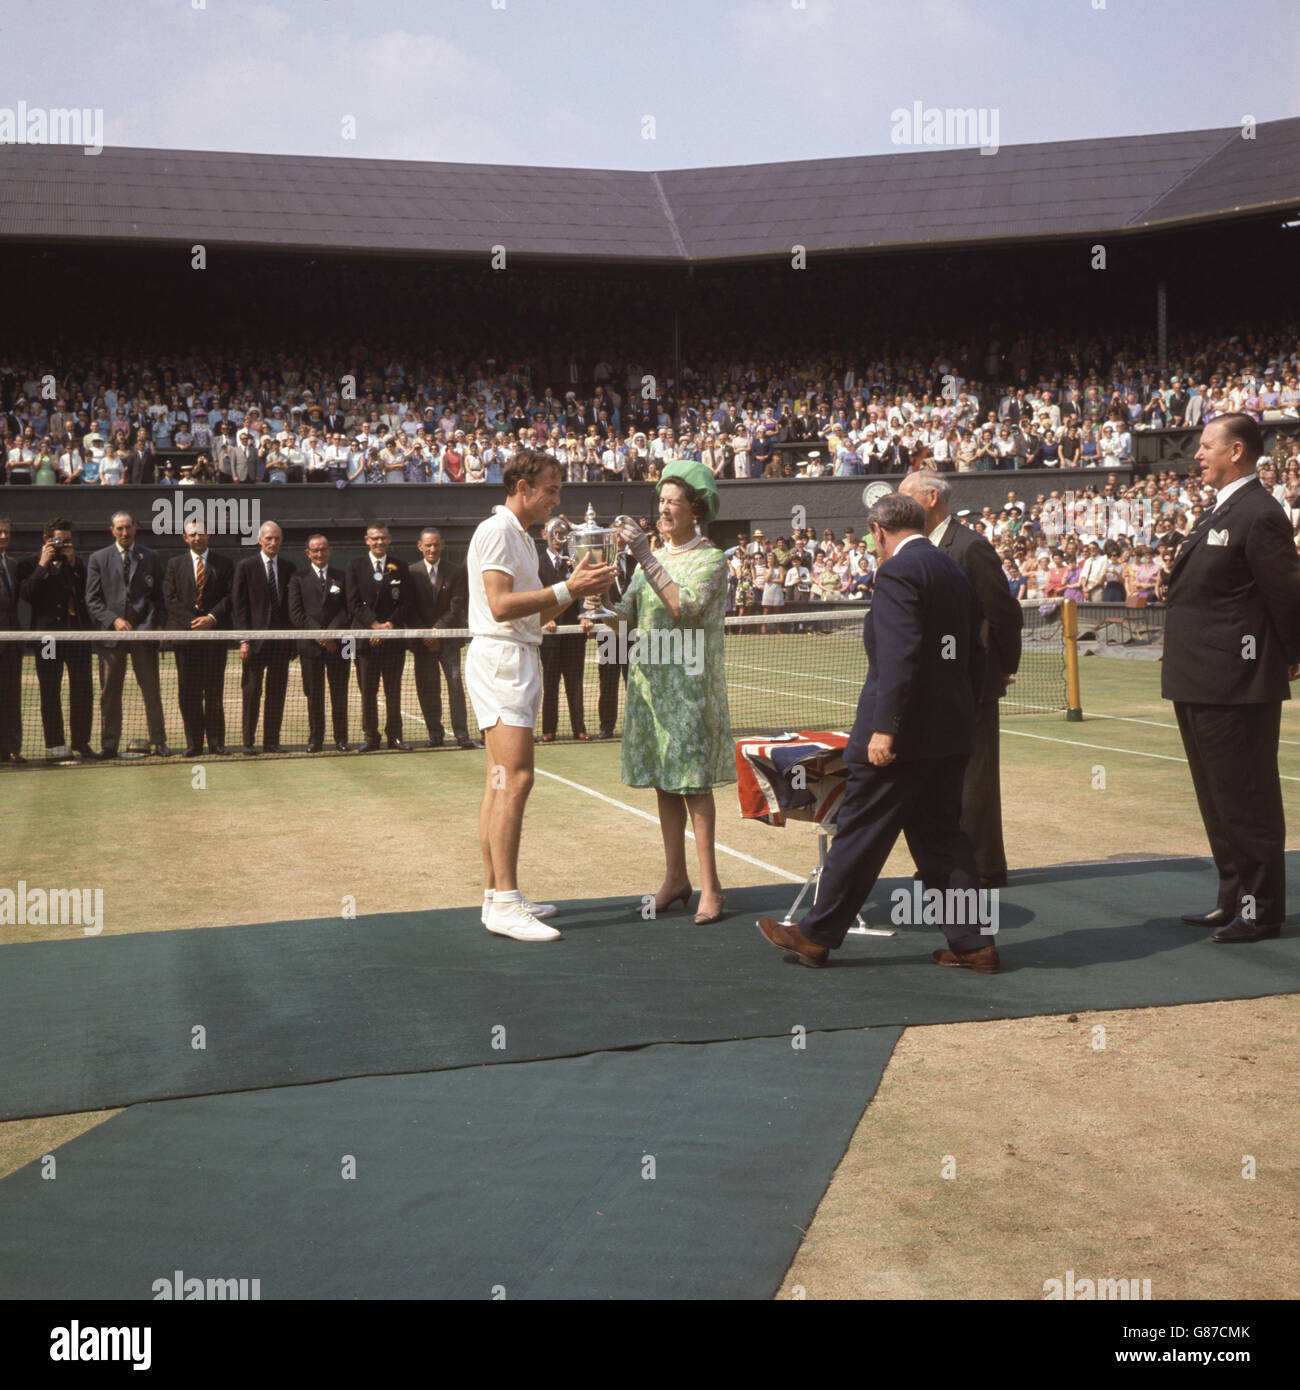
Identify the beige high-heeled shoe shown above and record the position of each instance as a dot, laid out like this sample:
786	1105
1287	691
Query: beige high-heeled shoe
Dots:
683	897
717	916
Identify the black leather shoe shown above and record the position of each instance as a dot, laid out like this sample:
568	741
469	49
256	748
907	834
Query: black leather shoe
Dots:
468	743
436	742
108	754
343	746
160	750
1217	917
371	745
274	748
219	750
86	751
12	758
314	747
1239	930
191	752
248	751
397	745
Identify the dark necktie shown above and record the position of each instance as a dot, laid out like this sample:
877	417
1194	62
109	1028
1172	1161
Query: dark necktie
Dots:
200	575
5	587
126	569
270	581
324	581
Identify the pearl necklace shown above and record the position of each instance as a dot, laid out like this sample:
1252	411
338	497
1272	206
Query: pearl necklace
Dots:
682	549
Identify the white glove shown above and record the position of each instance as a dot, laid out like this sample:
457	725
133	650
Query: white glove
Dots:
639	544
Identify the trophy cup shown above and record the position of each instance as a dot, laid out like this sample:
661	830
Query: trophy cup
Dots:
598	542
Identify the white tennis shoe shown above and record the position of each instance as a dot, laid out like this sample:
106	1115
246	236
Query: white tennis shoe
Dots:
538	910
513	920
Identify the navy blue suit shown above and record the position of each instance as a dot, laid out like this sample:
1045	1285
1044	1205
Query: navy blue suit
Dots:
925	668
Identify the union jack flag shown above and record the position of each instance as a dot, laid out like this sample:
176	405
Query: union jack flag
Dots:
800	776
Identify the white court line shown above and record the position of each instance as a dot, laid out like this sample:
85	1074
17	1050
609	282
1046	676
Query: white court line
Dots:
1156	724
654	820
794	694
1106	748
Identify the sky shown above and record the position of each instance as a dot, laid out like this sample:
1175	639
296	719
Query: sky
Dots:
625	84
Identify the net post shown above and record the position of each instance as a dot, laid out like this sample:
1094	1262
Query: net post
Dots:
1070	631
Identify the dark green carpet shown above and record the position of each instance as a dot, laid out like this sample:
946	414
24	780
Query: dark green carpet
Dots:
528	1179
110	1021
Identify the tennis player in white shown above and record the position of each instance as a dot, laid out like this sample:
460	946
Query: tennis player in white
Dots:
503	675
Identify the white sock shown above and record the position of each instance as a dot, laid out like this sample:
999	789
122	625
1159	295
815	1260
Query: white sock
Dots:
511	899
487	897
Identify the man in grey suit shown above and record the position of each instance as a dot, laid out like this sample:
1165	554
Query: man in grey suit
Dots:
247	462
124	593
11	657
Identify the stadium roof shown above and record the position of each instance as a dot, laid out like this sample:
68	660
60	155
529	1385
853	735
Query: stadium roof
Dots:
916	198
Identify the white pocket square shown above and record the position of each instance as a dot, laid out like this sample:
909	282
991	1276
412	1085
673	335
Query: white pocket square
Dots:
1217	537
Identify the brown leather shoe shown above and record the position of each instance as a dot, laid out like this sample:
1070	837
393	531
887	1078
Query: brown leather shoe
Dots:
984	960
789	938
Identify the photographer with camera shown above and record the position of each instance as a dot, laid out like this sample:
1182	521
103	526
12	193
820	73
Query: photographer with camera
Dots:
54	583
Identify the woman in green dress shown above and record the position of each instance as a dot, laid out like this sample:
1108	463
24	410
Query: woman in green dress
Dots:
676	727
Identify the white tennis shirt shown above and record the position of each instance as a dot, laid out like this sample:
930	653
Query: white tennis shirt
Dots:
501	543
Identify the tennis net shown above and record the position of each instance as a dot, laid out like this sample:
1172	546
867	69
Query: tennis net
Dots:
798	670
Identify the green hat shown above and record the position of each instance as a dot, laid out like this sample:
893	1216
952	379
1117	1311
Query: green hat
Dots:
694	475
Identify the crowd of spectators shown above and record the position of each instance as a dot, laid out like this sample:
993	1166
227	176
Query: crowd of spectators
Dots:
246	418
1105	543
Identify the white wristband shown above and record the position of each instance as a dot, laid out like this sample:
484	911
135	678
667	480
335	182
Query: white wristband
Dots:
562	595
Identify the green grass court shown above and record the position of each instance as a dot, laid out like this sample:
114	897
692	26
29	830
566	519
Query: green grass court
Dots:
249	840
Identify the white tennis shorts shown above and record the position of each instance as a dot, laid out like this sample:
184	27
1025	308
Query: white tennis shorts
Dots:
504	682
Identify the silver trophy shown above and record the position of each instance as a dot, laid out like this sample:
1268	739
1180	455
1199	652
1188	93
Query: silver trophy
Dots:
591	539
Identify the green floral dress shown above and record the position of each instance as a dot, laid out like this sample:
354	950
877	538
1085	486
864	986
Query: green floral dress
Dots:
677	727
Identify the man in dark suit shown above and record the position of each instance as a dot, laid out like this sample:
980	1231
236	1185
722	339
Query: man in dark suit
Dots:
261	600
563	657
438	596
11	656
1001	622
376	591
140	468
907	753
124	593
611	672
54	583
318	603
898	457
1232	644
198	589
